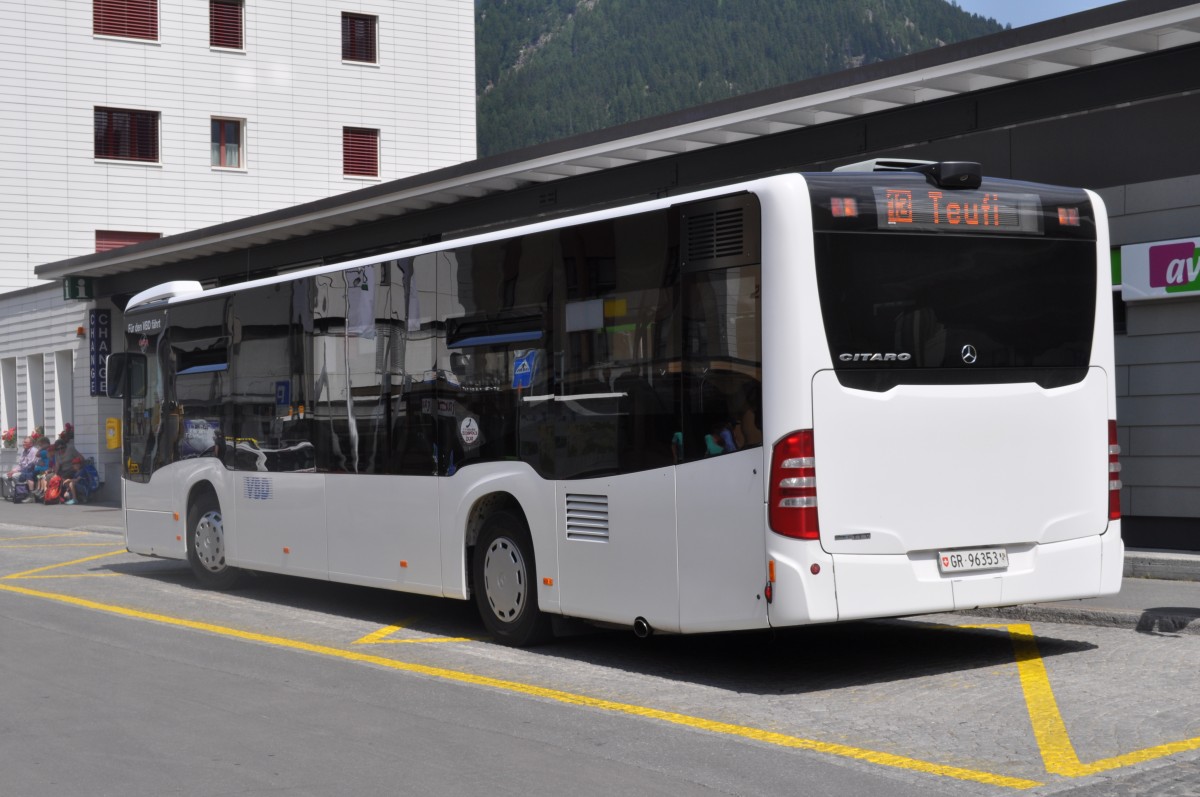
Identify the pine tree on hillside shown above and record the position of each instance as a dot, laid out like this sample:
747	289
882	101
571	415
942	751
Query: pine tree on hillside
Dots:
548	69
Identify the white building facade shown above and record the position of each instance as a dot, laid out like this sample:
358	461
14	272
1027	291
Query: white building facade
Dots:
128	120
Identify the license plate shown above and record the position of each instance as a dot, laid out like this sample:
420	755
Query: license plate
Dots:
968	559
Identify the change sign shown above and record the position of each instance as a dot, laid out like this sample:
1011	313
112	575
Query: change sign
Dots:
100	337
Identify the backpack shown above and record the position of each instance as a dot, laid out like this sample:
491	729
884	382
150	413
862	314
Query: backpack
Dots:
87	482
53	490
20	492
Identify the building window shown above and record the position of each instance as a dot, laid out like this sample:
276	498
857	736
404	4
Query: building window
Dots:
225	24
126	135
130	19
360	152
107	240
358	38
227	143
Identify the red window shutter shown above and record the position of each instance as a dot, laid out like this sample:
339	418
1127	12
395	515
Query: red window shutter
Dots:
131	19
126	135
358	38
360	151
107	240
225	23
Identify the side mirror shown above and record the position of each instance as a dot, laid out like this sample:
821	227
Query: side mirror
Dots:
126	375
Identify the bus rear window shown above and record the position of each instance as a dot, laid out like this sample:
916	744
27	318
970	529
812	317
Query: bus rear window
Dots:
964	309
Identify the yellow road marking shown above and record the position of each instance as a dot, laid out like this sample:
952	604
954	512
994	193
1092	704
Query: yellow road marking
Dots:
44	536
455	676
1049	728
380	637
1058	753
69	575
4	546
28	573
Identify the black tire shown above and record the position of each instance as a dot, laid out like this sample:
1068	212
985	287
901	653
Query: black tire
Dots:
505	583
206	545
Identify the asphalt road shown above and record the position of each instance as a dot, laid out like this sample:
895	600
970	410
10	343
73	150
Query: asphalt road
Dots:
119	676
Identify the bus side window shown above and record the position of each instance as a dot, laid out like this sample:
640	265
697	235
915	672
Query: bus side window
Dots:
198	408
722	362
272	426
616	297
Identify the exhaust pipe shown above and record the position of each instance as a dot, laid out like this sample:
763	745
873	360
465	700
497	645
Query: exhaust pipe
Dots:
641	628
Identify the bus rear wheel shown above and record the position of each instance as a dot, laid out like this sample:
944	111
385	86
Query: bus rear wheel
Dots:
505	589
206	545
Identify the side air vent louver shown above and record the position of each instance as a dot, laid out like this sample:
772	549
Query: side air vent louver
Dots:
720	233
587	517
717	234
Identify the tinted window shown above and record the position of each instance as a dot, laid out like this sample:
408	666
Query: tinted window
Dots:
271	386
493	353
979	308
357	367
145	434
198	416
618	377
722	363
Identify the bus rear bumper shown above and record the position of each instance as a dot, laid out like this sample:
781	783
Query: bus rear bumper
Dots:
897	585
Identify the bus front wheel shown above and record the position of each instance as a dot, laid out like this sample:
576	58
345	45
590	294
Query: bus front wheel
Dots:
505	591
206	545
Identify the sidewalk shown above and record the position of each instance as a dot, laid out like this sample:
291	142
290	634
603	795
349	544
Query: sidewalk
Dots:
101	516
1160	594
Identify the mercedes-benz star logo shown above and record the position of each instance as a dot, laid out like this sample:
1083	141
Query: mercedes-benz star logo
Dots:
969	354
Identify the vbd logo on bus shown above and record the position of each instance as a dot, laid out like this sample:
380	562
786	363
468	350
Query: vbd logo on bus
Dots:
1175	267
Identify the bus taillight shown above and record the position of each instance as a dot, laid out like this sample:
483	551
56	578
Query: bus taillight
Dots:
793	494
1114	473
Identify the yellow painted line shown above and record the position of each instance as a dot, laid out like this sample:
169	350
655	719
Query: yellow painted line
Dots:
425	640
4	546
69	575
44	536
378	636
568	698
381	637
1050	730
28	573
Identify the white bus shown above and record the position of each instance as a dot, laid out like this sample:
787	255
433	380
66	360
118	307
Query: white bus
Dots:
801	399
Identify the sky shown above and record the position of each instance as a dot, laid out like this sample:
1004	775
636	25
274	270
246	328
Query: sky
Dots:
1026	12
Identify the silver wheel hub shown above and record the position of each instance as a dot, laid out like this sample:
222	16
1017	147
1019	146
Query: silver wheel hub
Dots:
209	541
505	579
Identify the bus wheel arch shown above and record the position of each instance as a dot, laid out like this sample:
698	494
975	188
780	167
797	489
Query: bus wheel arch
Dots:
206	539
503	572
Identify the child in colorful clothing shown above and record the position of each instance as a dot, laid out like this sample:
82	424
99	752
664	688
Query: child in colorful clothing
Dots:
43	468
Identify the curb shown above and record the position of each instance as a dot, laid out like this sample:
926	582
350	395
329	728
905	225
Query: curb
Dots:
1162	565
1156	622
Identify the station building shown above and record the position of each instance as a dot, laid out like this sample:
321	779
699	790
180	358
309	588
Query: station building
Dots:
1106	99
124	121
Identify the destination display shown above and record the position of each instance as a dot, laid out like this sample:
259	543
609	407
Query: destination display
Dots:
939	210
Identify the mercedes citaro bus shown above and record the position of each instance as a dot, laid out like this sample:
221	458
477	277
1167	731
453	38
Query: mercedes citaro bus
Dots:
799	399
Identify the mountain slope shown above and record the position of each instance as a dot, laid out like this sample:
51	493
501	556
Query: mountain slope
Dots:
546	69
